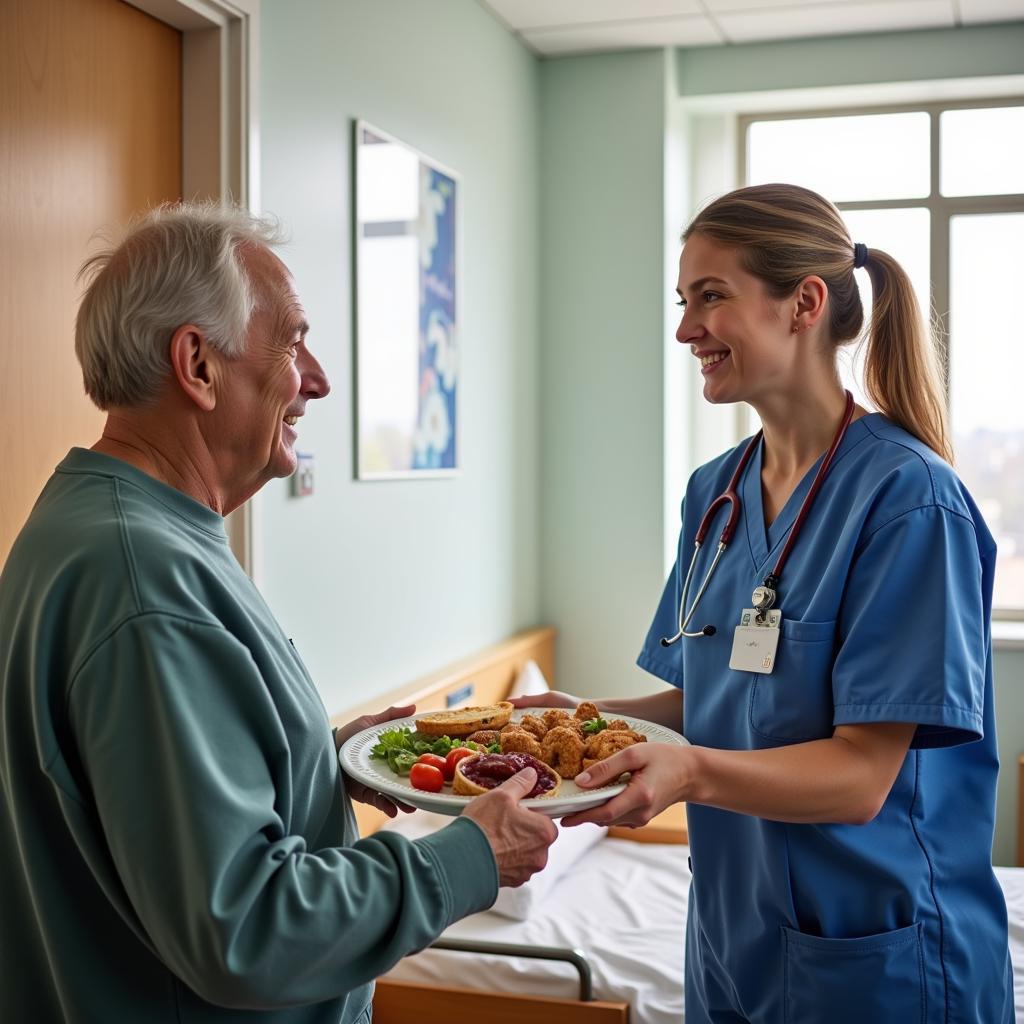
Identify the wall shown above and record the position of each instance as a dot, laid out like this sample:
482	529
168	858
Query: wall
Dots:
602	299
1008	671
381	582
981	50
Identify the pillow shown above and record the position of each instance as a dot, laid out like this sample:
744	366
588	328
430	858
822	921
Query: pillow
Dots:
519	903
530	682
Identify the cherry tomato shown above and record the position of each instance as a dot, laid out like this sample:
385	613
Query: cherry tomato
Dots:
426	776
455	755
434	759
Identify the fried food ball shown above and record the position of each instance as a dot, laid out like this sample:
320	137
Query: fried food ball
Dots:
586	711
485	737
534	725
618	725
562	749
521	741
555	717
608	742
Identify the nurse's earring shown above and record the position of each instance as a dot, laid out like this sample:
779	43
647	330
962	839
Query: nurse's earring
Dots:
795	328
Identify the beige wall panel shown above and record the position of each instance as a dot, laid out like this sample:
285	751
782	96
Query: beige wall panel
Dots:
90	133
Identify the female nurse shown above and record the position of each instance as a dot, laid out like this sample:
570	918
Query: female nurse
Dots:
840	776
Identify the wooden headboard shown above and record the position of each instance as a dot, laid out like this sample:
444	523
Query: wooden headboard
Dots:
482	678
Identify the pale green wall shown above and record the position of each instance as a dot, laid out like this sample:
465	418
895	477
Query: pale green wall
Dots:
1008	670
381	582
602	294
852	60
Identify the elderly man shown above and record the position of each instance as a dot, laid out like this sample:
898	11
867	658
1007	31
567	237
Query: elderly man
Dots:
176	841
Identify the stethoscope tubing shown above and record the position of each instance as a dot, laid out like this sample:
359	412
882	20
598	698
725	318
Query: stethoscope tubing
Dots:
730	496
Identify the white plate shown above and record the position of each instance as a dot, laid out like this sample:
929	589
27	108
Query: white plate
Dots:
355	760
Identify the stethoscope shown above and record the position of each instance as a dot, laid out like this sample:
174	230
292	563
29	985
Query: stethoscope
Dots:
764	596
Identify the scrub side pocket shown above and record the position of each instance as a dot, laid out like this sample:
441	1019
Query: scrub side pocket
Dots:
879	978
794	703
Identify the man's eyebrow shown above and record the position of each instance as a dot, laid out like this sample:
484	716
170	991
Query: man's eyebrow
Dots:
291	320
700	282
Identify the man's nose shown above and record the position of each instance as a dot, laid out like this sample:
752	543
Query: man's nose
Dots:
314	381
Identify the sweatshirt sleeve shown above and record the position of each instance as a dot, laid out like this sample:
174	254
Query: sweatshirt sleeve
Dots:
181	746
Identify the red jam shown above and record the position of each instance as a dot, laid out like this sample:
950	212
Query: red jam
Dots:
490	770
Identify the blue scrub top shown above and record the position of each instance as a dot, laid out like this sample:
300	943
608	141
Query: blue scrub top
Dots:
886	605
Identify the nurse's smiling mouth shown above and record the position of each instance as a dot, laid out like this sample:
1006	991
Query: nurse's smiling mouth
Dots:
710	361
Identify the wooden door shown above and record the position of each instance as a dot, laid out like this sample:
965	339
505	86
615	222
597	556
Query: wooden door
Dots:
90	133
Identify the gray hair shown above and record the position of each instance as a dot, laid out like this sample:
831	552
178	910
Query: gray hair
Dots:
177	264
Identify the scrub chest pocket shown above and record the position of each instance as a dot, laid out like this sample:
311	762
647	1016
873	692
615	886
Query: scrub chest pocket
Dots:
794	703
877	978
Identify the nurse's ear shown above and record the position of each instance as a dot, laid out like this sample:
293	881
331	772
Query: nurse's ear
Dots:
808	304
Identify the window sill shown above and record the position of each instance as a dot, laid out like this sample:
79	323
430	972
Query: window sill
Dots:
1008	634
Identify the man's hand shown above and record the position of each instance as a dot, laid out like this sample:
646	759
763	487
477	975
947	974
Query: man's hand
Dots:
519	837
356	790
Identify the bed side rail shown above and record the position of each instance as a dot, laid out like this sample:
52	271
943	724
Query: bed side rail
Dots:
575	957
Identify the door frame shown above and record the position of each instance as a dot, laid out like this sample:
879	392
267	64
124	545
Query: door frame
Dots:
220	141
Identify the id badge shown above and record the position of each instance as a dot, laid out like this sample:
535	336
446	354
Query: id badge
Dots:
754	644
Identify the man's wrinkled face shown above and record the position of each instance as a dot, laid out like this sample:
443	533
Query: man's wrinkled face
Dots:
268	385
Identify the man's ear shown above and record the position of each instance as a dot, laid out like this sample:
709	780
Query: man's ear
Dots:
194	363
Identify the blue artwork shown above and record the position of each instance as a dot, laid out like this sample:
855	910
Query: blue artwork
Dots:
406	311
434	440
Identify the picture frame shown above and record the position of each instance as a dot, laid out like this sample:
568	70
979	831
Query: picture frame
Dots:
406	226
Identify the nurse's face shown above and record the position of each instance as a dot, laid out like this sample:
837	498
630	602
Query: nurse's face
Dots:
741	335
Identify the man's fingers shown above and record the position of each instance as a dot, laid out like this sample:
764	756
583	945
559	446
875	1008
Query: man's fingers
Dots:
521	783
396	711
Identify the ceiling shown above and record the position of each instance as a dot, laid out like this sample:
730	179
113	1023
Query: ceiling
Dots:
551	28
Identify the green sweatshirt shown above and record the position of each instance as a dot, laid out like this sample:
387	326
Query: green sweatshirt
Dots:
175	839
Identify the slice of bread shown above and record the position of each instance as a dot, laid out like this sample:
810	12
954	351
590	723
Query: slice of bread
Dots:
463	721
548	780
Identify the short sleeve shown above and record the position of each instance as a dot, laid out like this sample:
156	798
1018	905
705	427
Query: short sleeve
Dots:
665	662
913	629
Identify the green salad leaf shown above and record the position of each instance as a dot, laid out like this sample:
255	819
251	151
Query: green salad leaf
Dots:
594	725
401	748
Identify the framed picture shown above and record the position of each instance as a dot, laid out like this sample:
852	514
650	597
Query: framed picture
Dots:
406	310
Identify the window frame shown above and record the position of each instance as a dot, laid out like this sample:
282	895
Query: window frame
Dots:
941	210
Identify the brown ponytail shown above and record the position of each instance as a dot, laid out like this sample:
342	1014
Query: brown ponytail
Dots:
901	370
787	233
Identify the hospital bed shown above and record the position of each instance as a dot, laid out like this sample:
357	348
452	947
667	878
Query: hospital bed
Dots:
604	944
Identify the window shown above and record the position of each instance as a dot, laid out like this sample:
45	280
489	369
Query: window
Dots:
941	188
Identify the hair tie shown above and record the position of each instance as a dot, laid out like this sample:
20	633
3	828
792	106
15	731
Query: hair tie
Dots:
860	255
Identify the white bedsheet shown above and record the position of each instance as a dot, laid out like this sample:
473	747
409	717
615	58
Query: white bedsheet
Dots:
605	906
1012	881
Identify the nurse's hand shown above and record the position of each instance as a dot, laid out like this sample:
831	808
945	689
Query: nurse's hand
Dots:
657	780
356	790
550	699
